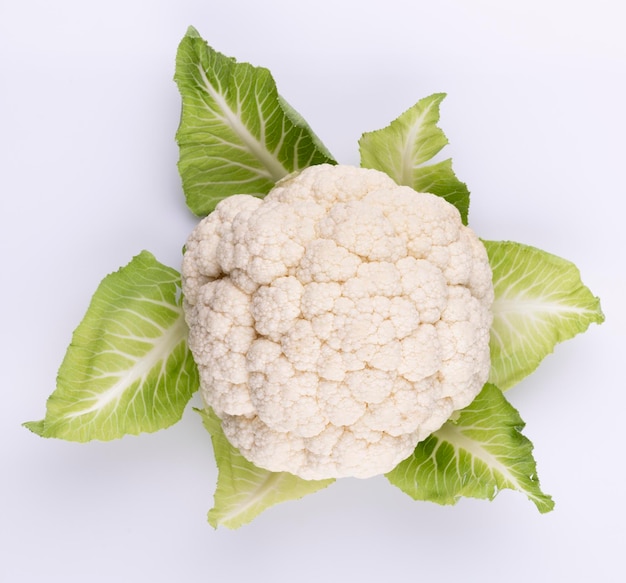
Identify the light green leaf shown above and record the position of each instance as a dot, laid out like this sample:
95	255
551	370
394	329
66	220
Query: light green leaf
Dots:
401	149
236	135
540	301
244	490
128	368
476	455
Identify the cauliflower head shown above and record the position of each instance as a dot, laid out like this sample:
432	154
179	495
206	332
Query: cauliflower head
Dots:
338	321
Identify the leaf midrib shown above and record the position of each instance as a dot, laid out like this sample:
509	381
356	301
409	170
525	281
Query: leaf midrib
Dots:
454	435
253	497
160	351
274	169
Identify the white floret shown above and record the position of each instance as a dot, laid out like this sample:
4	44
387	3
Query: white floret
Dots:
338	321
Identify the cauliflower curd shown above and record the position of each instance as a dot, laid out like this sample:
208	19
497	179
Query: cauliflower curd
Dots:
338	321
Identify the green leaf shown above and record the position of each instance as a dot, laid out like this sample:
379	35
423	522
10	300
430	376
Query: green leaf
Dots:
476	455
540	301
128	368
244	490
236	135
401	149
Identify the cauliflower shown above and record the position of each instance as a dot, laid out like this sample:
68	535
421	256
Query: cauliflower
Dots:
337	322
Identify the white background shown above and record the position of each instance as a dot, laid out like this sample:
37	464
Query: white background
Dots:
88	110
